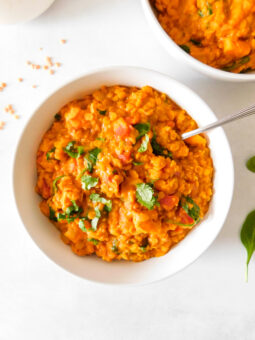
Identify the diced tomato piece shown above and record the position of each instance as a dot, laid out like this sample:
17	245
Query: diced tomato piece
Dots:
169	202
122	130
125	157
185	218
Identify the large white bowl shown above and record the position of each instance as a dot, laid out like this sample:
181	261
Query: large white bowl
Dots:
176	52
17	11
92	268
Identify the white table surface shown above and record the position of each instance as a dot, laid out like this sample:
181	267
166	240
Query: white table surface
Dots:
38	300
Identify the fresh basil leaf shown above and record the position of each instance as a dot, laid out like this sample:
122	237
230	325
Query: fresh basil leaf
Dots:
57	116
74	151
88	182
54	184
145	195
138	163
93	240
49	152
98	198
185	48
143	129
102	112
250	164
144	145
248	237
95	220
52	215
158	150
192	211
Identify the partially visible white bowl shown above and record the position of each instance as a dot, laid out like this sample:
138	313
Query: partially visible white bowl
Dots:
16	11
176	52
92	268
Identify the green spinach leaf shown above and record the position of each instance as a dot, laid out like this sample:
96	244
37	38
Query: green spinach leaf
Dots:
248	237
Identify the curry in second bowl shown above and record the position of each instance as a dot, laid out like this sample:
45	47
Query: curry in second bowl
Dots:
117	180
219	33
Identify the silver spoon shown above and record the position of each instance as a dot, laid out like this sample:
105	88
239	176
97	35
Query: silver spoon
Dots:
250	110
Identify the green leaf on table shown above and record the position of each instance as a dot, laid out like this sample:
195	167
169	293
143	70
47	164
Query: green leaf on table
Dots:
247	236
250	164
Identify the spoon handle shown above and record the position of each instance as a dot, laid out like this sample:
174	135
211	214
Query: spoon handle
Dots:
250	110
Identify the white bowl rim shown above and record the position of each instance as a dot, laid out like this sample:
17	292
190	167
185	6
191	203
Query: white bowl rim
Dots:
167	42
91	72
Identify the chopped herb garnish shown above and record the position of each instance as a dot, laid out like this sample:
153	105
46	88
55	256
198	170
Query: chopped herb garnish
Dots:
114	171
91	158
101	139
185	48
143	129
49	152
192	211
54	184
196	42
102	112
88	182
74	151
138	163
82	226
115	247
52	215
209	8
236	64
145	195
57	116
95	220
158	150
200	13
93	240
248	238
71	213
143	248
98	198
144	145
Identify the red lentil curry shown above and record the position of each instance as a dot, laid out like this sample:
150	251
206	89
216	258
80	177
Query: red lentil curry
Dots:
220	33
117	180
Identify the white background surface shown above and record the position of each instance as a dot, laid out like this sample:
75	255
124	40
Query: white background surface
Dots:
38	300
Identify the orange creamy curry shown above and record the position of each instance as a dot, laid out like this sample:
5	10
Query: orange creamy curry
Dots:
220	33
117	180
